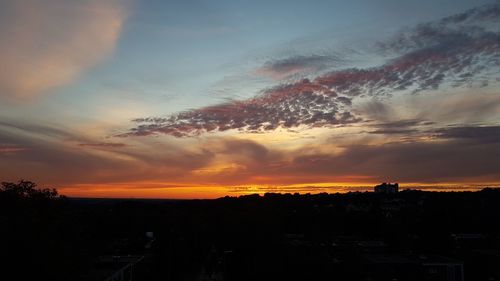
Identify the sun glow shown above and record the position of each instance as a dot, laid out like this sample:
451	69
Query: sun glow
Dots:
184	191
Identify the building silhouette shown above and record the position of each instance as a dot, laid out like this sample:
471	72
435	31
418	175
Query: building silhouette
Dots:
387	188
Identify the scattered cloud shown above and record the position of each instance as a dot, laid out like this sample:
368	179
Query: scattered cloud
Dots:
456	51
474	23
287	106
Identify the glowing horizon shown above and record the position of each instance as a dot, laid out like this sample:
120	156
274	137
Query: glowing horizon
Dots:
156	191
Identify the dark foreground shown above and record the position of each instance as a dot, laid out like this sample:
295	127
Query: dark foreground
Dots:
411	235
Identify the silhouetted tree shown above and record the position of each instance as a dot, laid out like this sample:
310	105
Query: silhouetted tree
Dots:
27	189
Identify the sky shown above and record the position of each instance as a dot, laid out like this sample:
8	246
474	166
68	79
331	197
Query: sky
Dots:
202	99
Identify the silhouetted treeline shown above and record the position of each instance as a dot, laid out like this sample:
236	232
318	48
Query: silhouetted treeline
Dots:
270	237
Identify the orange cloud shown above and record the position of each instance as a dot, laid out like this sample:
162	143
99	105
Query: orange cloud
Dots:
45	44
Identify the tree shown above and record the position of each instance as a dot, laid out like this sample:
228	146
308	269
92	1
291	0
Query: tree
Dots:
27	189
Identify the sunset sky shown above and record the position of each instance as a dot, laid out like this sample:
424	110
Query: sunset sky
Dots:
201	99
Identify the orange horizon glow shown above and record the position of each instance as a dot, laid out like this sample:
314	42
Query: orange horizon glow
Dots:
168	191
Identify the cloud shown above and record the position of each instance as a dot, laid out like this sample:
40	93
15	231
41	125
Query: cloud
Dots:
377	110
446	158
454	154
6	149
405	127
46	44
468	107
475	134
450	154
452	53
103	144
287	106
34	130
418	161
394	131
246	148
474	23
487	13
453	62
48	158
298	65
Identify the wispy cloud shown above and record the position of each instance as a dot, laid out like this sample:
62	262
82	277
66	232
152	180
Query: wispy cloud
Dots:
50	158
103	144
300	65
475	134
6	149
46	44
400	127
